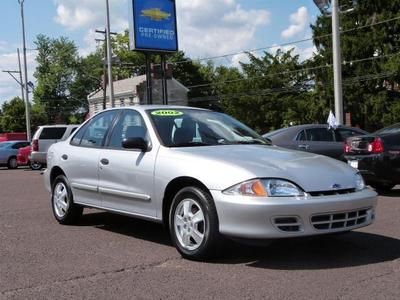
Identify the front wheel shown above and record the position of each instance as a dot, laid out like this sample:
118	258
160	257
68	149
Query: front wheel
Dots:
64	209
193	224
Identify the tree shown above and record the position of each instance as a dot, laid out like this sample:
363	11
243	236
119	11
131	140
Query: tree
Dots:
13	116
270	92
372	68
56	70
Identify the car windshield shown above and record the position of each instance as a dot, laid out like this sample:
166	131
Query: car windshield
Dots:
194	127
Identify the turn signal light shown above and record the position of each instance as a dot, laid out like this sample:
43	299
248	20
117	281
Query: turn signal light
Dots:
347	148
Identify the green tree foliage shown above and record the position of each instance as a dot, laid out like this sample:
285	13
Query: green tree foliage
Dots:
64	79
270	92
369	86
13	116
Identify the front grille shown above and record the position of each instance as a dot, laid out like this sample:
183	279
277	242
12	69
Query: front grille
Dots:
287	224
339	220
332	192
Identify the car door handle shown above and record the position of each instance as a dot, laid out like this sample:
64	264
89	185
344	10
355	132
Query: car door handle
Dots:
64	156
104	161
304	147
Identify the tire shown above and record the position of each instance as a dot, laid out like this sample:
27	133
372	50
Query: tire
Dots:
383	187
64	209
35	166
193	224
12	163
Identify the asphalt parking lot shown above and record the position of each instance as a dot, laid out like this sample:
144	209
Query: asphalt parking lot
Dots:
114	257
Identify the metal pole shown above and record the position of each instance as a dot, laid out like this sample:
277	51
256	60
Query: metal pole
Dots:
27	111
20	76
164	79
105	76
337	62
109	57
148	80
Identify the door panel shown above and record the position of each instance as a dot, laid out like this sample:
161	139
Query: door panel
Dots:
126	175
80	159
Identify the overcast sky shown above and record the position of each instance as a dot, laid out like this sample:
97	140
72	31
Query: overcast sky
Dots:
205	28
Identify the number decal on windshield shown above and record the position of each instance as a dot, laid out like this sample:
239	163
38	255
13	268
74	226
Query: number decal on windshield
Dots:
167	113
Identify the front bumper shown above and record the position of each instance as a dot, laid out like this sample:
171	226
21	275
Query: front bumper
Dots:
260	218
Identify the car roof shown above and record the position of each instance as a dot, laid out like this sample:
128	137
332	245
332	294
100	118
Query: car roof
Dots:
143	108
59	125
298	128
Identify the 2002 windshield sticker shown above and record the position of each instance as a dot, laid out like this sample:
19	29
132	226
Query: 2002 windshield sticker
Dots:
167	113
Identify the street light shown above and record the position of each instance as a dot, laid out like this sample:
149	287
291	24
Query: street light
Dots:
336	52
27	112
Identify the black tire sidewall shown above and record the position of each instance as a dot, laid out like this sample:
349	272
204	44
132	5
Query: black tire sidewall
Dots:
204	200
67	218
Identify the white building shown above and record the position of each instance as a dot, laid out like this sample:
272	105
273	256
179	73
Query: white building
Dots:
132	91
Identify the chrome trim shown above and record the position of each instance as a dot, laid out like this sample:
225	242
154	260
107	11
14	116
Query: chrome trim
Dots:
84	187
136	196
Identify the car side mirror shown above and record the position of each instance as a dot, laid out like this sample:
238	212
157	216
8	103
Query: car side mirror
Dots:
135	143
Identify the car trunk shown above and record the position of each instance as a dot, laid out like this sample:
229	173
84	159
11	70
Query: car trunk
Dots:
363	145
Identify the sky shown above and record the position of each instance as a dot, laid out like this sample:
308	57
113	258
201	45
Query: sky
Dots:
206	28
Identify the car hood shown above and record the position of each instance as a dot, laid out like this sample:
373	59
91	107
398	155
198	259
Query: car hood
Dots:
311	172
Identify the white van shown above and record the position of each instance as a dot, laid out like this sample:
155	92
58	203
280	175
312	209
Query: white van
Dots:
47	135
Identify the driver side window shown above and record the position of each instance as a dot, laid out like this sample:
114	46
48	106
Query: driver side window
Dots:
130	125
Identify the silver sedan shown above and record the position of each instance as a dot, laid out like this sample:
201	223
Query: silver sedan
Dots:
205	176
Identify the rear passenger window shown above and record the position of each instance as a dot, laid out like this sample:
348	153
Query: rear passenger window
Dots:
319	135
52	133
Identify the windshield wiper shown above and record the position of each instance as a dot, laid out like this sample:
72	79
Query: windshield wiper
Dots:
253	142
191	144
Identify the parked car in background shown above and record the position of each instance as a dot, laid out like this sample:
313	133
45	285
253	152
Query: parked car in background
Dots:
47	135
377	156
204	175
13	136
9	152
24	158
314	138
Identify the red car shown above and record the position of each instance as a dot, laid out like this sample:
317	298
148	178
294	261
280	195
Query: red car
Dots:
23	158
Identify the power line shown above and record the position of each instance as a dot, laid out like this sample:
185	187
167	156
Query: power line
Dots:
295	71
279	45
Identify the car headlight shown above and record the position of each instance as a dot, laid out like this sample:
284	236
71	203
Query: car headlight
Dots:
265	188
360	183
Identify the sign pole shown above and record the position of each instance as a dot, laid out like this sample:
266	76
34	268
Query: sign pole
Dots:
148	79
164	79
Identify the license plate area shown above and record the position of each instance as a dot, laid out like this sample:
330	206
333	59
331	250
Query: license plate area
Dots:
353	163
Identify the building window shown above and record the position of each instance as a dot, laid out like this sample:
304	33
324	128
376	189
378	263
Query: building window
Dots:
130	100
121	102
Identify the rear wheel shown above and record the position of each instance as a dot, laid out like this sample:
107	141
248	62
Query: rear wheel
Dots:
12	163
35	165
64	209
193	224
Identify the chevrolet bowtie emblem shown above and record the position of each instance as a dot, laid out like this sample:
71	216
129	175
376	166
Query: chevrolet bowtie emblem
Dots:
336	186
155	14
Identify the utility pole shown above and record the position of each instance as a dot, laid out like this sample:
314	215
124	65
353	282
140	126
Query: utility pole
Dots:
27	110
105	81
109	56
337	62
20	76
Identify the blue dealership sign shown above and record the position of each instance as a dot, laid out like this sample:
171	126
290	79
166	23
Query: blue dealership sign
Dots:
153	25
